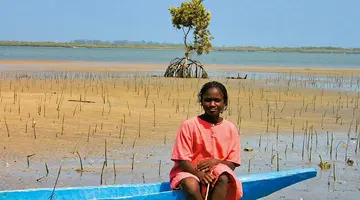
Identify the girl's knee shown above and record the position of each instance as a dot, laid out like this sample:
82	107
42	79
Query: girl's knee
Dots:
224	178
190	185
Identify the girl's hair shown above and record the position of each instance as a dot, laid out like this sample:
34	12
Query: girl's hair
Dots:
218	86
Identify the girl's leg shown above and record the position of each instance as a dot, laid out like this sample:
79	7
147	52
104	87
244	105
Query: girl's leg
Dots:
191	188
221	186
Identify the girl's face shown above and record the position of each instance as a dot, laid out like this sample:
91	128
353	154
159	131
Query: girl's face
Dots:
213	102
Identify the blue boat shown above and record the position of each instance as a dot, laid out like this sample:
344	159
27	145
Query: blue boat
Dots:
254	186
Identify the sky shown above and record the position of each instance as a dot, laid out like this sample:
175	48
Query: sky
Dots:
265	23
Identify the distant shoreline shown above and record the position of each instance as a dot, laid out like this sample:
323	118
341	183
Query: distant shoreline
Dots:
181	47
94	66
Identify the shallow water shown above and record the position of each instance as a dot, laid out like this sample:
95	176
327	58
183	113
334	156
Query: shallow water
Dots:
165	56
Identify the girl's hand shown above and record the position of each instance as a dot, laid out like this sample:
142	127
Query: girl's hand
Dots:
206	165
205	178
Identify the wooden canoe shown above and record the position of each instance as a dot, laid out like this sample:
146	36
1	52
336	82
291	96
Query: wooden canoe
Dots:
254	186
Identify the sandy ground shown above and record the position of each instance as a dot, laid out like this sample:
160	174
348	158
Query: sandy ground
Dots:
43	122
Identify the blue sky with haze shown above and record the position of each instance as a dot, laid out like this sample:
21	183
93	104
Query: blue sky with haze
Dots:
234	22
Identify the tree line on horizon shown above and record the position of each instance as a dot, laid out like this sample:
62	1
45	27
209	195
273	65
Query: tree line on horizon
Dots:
83	43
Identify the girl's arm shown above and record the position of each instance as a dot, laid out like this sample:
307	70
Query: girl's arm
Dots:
206	165
188	166
231	165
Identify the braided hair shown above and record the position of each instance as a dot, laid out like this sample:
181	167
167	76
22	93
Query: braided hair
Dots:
218	86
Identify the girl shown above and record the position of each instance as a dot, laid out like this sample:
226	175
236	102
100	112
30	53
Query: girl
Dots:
207	150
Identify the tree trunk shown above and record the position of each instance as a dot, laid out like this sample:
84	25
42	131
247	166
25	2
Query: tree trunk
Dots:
185	63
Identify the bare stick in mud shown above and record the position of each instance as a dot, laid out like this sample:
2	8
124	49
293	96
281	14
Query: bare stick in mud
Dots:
357	143
88	136
331	145
348	141
159	168
105	153
47	170
277	161
327	138
322	119
293	137
28	159
102	173
33	125
336	150
143	177
81	165
249	166
303	146
53	191
123	135
139	124
154	114
260	143
132	162
62	124
114	171
7	128
134	142
26	127
334	173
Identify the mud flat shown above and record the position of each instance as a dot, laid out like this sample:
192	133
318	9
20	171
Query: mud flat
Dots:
54	113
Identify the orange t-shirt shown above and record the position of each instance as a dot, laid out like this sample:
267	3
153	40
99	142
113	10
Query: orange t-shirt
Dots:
198	140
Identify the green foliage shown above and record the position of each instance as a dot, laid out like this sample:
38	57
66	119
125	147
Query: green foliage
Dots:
193	16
